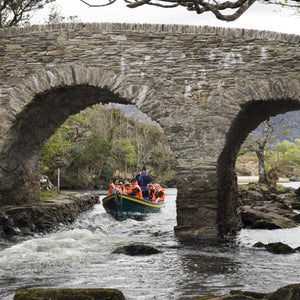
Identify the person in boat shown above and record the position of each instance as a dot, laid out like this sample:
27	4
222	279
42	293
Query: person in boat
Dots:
143	180
121	188
114	187
159	194
136	191
127	188
151	191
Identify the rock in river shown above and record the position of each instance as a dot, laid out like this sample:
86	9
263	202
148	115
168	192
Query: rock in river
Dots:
136	249
69	294
279	248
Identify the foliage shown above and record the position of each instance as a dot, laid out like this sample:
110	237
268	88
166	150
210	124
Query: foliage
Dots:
55	16
56	147
100	143
16	12
233	9
285	157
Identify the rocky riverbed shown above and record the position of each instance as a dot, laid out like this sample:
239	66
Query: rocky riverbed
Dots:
45	215
262	207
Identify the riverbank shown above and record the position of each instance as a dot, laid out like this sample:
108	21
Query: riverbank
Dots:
248	179
44	216
262	207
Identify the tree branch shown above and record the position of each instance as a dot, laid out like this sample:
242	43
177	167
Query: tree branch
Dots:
200	6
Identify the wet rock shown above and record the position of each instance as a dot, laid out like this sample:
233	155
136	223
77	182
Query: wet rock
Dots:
267	217
259	245
136	249
264	208
296	218
290	292
295	205
253	295
279	248
69	294
45	216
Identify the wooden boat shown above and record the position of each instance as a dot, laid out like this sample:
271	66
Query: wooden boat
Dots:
124	206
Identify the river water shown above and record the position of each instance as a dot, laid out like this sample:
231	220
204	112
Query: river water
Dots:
80	256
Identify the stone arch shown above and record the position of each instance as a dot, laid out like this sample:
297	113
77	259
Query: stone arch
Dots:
263	99
41	103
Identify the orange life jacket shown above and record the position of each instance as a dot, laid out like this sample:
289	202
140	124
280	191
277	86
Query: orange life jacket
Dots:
128	189
120	189
139	194
111	186
159	194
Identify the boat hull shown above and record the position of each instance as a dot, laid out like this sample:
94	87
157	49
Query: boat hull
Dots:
124	206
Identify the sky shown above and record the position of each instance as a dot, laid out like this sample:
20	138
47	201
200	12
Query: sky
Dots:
259	16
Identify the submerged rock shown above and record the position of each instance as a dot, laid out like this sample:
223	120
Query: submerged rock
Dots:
279	248
248	294
136	249
289	292
69	294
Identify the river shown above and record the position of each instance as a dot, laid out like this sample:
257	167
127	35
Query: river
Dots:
80	256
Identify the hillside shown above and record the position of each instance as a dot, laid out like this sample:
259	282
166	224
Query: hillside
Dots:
291	120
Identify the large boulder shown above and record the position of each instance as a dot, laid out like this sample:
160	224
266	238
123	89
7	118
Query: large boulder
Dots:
269	216
69	294
264	208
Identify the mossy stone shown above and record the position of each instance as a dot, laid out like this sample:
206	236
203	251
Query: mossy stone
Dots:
69	294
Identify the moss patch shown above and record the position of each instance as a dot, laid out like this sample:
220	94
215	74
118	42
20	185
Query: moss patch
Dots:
69	294
48	195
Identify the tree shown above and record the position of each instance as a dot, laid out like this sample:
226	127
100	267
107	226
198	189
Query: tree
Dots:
257	142
125	154
15	12
285	157
238	7
56	16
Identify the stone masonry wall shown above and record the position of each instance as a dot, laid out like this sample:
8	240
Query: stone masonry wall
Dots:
196	82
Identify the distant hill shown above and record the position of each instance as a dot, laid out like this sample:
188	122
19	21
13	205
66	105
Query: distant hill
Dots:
133	112
291	120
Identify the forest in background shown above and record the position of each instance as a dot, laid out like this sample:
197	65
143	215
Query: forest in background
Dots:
100	143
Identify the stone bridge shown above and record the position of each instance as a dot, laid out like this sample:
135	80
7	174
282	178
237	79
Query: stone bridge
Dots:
207	87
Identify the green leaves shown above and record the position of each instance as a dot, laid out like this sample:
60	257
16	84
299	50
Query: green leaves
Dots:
99	142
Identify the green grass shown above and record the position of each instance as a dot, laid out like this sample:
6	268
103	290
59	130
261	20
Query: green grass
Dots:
48	195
